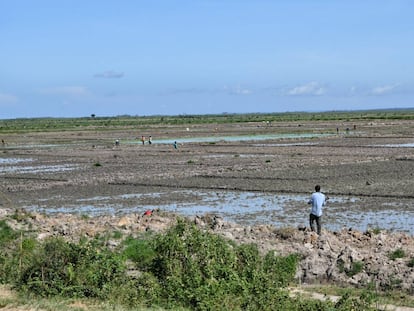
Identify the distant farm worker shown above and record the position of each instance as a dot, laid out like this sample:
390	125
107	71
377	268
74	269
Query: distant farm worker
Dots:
143	140
317	201
175	145
150	139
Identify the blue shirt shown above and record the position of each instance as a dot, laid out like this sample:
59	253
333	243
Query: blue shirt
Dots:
317	200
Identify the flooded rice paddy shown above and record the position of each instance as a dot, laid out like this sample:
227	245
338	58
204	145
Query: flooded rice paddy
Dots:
244	207
248	208
237	138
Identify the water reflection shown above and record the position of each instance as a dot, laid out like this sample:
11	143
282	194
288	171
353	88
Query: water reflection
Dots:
212	139
407	145
38	169
250	208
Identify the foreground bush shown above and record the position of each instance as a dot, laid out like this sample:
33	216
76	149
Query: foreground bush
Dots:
186	268
203	271
58	267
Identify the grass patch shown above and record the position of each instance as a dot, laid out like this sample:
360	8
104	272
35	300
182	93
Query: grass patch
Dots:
398	253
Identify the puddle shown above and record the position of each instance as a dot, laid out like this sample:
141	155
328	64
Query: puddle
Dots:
212	139
38	169
408	145
286	144
41	146
8	161
249	208
11	165
181	140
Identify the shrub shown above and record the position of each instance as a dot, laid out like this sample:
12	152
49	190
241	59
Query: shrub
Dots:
376	230
205	271
352	269
143	291
117	235
58	267
356	267
7	234
398	253
140	251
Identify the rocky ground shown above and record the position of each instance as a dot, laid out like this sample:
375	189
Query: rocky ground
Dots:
70	166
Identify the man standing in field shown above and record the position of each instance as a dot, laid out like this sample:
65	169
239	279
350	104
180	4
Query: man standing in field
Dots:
317	201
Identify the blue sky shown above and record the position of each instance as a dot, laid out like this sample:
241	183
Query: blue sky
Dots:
81	57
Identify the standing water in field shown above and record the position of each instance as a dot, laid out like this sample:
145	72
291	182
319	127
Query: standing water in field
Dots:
249	208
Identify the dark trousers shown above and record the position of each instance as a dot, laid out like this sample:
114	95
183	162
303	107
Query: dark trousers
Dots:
312	219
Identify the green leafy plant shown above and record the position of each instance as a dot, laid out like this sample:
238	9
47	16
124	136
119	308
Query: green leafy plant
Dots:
398	253
117	235
58	267
354	268
200	269
140	251
7	234
376	230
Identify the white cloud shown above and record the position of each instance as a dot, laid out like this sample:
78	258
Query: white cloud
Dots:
65	90
110	74
8	98
237	90
311	88
384	89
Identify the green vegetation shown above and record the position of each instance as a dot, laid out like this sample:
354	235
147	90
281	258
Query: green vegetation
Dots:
355	267
398	253
6	233
375	230
94	123
185	268
391	297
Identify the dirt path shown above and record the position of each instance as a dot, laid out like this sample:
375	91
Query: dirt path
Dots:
295	292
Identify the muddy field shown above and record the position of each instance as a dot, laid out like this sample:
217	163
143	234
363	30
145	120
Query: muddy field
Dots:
265	171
